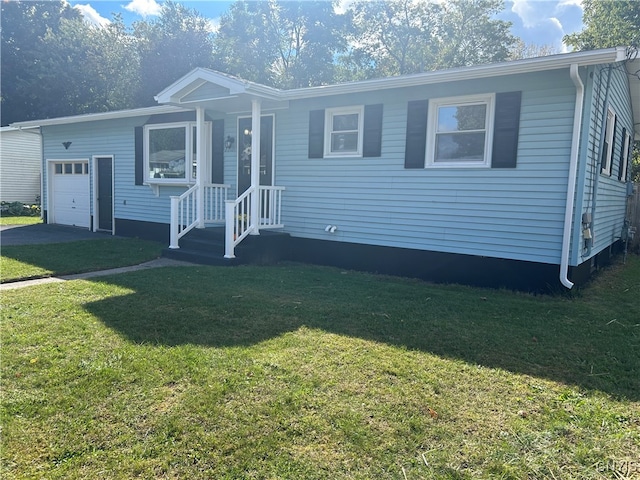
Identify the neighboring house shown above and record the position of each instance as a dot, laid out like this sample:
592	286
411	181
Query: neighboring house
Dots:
512	174
20	160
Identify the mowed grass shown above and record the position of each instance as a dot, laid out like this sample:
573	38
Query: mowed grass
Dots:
312	373
19	220
21	262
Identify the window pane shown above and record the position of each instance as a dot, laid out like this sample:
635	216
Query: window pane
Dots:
68	168
167	151
77	168
343	123
344	142
58	168
459	118
463	147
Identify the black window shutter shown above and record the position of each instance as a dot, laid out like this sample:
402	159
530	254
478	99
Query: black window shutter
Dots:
624	134
139	155
217	151
316	133
416	141
372	135
506	127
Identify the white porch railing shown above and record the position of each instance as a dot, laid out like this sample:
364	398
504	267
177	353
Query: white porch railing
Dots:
184	210
271	207
238	224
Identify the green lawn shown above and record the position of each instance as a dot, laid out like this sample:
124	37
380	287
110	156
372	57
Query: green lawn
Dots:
300	372
19	220
22	262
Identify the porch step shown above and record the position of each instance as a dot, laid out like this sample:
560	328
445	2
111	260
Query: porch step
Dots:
206	247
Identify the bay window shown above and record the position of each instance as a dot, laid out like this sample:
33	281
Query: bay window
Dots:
170	152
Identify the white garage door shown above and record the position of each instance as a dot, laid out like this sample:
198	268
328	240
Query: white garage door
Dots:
70	193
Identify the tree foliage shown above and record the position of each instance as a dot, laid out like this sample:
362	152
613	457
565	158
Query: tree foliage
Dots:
26	91
170	47
396	37
608	23
285	44
56	64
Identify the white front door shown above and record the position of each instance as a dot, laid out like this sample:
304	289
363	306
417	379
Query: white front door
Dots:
69	194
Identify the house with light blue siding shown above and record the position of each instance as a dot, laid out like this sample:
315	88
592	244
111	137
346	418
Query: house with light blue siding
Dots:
511	175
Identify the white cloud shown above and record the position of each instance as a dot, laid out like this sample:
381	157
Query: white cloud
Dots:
569	3
92	16
529	14
145	8
556	22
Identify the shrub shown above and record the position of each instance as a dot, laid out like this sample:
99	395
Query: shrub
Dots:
19	209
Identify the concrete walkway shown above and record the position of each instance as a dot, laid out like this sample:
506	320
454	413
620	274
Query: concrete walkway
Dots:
158	262
46	233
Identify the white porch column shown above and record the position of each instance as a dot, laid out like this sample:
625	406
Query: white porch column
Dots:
256	110
201	149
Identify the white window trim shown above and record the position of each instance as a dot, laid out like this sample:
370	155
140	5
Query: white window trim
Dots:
190	140
610	125
328	115
626	150
432	125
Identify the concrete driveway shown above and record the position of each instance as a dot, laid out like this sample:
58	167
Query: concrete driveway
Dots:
44	233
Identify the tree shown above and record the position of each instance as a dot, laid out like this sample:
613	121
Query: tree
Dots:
521	50
55	64
608	23
283	44
25	86
395	37
170	47
471	36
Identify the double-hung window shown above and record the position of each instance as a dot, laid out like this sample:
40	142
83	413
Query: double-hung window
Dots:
609	140
460	132
343	131
170	152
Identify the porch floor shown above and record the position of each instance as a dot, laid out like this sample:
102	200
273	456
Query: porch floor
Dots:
206	246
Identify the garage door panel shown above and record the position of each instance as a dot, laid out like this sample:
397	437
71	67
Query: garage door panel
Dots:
71	194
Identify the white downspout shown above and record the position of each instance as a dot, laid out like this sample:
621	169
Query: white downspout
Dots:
571	184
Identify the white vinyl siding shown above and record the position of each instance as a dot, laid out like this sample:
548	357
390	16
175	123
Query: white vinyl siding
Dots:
20	159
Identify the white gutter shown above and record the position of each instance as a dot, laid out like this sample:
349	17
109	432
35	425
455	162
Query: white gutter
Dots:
571	183
94	117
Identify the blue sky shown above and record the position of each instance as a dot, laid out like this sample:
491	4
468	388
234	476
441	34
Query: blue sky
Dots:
541	22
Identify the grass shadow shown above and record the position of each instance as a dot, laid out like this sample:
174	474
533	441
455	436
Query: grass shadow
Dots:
591	340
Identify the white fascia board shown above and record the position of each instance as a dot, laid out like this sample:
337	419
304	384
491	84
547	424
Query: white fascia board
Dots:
514	67
94	117
199	76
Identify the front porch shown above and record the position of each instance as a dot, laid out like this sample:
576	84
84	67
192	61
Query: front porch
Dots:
206	224
207	247
249	205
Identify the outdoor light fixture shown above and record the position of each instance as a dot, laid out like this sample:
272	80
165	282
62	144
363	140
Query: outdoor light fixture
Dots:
228	143
66	145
